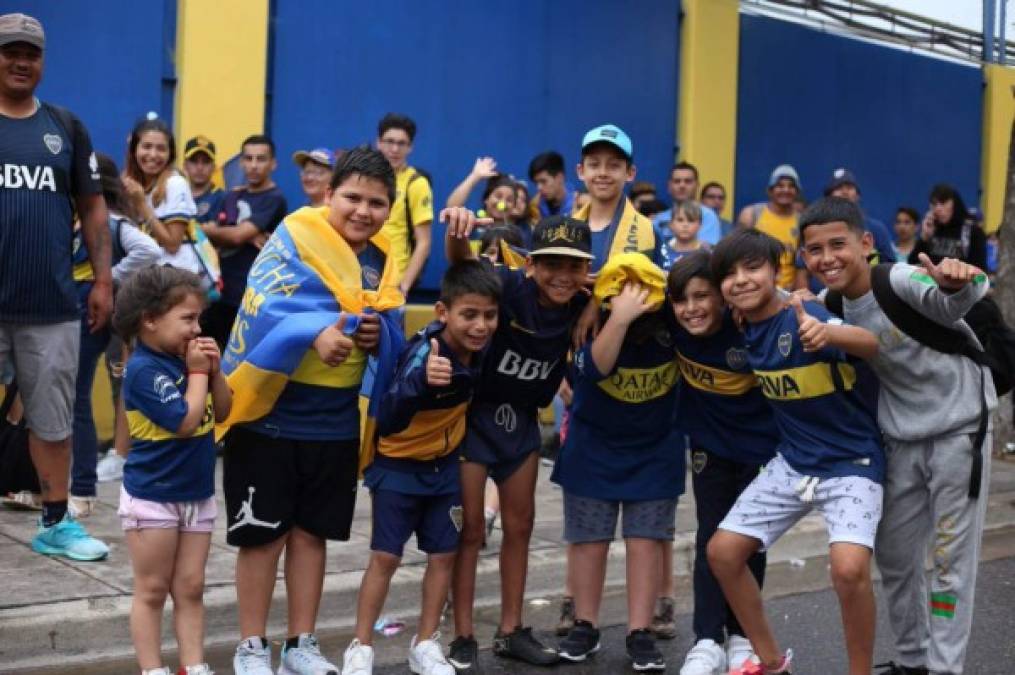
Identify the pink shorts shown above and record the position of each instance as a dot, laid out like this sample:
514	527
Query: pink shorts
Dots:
141	514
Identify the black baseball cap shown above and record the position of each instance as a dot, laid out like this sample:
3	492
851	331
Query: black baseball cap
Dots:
561	235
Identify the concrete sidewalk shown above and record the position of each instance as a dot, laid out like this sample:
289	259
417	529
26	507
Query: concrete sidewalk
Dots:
56	612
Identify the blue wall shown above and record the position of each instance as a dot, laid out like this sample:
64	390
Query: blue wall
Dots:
901	122
106	61
503	79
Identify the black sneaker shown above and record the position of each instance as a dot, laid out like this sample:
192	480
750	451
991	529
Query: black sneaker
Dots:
581	642
891	668
521	644
566	622
642	650
463	654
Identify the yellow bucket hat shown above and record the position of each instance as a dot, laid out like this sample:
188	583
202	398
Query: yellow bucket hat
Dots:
630	267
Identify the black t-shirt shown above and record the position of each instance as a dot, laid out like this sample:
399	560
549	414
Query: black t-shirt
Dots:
265	210
43	168
965	242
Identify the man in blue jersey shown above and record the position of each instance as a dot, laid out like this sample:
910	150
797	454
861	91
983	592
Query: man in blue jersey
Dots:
48	172
682	186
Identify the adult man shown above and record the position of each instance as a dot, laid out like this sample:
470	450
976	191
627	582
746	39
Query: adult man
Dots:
554	195
713	195
315	173
778	217
683	185
199	165
408	225
248	216
49	170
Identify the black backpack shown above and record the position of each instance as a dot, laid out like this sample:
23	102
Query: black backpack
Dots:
986	321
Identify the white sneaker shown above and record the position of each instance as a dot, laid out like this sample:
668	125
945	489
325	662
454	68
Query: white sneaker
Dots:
358	659
164	670
305	659
199	669
427	657
110	467
80	507
252	657
738	650
705	658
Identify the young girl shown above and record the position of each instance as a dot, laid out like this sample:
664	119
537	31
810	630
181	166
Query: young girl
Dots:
685	225
174	392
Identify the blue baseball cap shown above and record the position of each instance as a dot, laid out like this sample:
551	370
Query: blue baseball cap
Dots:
841	177
321	156
612	134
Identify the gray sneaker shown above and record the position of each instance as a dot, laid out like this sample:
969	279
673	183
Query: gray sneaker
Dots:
305	659
252	657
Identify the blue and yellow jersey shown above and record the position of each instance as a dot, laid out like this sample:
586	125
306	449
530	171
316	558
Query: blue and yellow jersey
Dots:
163	466
722	408
825	403
623	442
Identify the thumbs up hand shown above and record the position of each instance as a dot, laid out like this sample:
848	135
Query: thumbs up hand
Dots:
332	345
438	368
813	333
950	274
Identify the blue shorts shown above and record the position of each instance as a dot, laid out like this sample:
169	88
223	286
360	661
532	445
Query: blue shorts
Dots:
435	519
500	436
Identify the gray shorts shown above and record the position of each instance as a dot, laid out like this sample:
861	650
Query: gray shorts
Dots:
45	360
588	520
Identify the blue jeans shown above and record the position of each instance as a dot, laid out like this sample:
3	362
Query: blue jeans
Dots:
84	442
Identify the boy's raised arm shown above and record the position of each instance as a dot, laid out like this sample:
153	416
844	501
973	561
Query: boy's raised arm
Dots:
625	307
460	221
942	292
816	335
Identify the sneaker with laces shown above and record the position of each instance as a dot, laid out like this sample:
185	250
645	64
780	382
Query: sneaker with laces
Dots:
358	659
566	622
643	652
581	642
705	658
752	667
69	540
81	507
427	658
25	500
305	658
463	653
738	649
110	467
664	624
199	669
252	657
522	645
892	668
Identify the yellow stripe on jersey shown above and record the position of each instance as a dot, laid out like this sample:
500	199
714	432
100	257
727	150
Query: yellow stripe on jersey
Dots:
804	382
83	272
312	370
431	434
637	385
715	380
143	429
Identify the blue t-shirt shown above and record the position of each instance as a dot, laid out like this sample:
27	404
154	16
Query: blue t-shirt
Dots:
825	403
309	412
623	442
162	466
667	255
209	205
710	232
43	168
265	209
722	408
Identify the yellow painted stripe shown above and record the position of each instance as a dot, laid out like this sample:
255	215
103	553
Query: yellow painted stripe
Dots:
707	106
998	114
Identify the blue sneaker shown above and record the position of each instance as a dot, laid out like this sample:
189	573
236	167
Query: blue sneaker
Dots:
68	539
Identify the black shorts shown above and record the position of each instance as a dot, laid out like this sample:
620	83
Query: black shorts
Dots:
500	436
274	484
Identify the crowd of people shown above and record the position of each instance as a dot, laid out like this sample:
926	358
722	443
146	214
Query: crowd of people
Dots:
767	355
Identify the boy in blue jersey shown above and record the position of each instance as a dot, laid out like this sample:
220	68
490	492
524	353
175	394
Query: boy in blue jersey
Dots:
413	479
830	455
732	434
932	409
623	452
522	372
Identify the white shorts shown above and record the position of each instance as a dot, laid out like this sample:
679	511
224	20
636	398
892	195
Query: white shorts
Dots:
775	501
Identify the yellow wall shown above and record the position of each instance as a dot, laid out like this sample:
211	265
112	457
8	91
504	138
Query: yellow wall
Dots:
707	108
221	69
998	114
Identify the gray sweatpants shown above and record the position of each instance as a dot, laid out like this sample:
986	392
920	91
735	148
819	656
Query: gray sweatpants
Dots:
926	505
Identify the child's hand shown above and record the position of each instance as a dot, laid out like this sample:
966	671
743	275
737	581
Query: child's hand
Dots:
950	274
211	350
630	303
438	368
196	358
461	221
813	333
332	345
368	333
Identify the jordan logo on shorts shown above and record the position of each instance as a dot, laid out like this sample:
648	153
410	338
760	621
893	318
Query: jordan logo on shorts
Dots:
246	514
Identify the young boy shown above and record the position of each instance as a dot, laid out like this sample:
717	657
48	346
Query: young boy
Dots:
732	434
413	479
623	452
295	362
829	457
929	411
522	372
685	225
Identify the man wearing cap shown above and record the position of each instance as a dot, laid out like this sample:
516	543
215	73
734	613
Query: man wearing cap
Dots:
315	173
199	165
682	186
778	218
48	171
249	215
843	184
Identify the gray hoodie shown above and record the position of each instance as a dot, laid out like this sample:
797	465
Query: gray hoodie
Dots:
924	393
